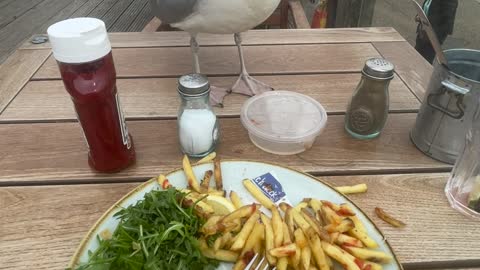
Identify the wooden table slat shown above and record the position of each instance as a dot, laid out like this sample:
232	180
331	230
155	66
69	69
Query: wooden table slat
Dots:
16	71
60	151
152	97
411	67
223	60
46	223
253	37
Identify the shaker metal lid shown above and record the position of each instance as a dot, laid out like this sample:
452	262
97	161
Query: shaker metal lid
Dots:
193	84
378	68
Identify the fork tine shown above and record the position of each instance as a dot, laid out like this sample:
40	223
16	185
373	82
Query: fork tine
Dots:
261	263
252	262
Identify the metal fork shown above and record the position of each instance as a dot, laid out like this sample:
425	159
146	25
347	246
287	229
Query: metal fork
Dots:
259	262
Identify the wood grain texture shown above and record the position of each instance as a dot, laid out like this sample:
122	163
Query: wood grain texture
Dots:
127	17
223	60
142	18
298	14
409	64
114	13
46	223
57	152
16	71
252	37
149	98
26	25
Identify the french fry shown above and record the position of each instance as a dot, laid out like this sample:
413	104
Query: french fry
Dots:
217	169
389	219
269	242
212	191
373	266
212	229
221	254
282	263
205	183
300	239
329	261
244	211
316	225
306	256
277	225
247	228
163	182
237	202
360	188
345	211
318	253
335	207
289	221
283	251
312	267
344	226
201	209
284	206
363	236
295	260
300	221
207	158
257	194
358	223
222	241
256	236
287	239
251	244
340	256
315	204
330	215
368	254
300	206
191	179
343	239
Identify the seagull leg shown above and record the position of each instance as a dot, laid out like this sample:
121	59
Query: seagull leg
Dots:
216	93
247	85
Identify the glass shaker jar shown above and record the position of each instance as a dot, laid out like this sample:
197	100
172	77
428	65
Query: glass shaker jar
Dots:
368	109
197	123
463	187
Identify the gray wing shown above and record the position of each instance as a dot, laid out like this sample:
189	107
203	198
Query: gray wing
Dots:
172	11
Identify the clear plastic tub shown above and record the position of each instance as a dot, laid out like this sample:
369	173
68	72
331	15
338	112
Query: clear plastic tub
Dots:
283	122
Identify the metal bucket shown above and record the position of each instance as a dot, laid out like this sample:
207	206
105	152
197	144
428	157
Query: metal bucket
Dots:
449	105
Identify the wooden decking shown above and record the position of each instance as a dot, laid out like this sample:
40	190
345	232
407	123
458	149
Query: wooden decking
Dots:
20	19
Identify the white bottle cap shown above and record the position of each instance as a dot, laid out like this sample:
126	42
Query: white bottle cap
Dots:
79	40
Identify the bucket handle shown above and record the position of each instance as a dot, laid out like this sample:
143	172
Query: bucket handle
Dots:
459	93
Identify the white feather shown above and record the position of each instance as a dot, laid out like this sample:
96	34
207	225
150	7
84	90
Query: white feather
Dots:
227	16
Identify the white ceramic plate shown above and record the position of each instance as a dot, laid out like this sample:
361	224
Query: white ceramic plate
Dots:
297	186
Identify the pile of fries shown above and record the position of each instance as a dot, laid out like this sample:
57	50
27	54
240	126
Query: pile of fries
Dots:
307	236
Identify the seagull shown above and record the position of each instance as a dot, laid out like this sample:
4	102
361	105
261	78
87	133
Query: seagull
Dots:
218	17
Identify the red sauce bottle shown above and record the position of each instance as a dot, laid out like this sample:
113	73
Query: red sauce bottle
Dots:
83	53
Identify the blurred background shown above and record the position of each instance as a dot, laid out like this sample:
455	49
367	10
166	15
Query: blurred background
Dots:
20	19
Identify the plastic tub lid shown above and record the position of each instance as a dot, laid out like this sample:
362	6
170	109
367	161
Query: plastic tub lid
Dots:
283	116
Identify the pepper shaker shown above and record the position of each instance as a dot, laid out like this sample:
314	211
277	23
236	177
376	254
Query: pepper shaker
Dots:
368	109
197	123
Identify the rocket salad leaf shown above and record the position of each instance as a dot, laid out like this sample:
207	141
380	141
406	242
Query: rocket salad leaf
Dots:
155	233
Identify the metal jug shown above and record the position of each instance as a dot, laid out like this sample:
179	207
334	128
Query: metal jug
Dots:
450	103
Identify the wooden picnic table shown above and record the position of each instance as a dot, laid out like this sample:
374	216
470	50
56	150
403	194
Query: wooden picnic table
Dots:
49	197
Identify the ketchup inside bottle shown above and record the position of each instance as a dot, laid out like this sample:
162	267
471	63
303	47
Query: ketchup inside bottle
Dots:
92	87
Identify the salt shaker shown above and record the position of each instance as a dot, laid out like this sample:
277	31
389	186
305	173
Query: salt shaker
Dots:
197	123
368	109
463	187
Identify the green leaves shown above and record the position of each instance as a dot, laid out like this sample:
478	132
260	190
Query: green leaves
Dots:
154	234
